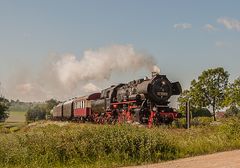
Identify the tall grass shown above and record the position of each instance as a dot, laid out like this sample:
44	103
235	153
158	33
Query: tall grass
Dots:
78	145
89	144
209	138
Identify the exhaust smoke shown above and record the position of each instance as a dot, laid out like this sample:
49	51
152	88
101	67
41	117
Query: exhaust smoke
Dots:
66	76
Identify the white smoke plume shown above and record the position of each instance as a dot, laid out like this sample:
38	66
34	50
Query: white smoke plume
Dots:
156	69
67	76
91	88
99	64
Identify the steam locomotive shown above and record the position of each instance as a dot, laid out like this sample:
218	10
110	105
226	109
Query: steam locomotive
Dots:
143	101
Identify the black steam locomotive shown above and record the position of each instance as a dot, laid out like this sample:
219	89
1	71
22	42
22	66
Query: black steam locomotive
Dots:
143	101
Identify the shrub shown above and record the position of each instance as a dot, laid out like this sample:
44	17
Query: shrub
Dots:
4	105
201	121
36	113
201	112
180	123
232	111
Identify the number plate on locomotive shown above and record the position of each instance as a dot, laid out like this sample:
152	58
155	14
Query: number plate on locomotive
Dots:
162	93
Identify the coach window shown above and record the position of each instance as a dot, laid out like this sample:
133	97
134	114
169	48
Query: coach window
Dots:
89	104
83	104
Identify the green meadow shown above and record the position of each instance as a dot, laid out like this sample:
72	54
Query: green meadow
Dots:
65	144
14	122
16	117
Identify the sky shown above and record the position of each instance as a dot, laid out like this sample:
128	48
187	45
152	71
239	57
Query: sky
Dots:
182	38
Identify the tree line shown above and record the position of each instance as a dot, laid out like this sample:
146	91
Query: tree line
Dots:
212	90
34	111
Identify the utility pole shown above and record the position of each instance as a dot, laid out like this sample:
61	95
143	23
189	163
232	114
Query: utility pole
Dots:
188	114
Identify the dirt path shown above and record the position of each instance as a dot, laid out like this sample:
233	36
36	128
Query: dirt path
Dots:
230	159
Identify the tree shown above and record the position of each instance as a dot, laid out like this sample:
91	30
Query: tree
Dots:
232	111
210	88
182	99
4	105
233	94
50	104
197	111
36	113
39	111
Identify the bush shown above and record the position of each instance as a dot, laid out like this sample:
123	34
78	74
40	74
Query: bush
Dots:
232	111
201	112
4	105
201	121
180	123
36	113
196	121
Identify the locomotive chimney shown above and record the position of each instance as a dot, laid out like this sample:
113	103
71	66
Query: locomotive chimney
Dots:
154	74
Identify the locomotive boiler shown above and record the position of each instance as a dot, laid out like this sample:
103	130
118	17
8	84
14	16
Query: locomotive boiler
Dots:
143	101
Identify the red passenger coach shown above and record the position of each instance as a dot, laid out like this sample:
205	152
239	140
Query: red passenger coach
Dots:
82	106
57	111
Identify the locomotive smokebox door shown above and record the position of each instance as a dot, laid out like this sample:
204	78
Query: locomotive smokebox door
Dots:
160	89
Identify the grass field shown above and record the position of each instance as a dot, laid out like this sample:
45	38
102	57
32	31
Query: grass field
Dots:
66	144
16	117
14	122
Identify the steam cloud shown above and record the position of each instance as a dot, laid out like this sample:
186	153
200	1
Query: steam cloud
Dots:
68	76
99	65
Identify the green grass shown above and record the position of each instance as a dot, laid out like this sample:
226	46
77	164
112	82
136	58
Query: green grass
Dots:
16	117
58	144
86	145
14	122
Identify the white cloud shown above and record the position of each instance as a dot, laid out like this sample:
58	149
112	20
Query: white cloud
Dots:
209	27
230	23
182	26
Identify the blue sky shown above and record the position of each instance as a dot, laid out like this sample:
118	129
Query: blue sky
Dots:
185	37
